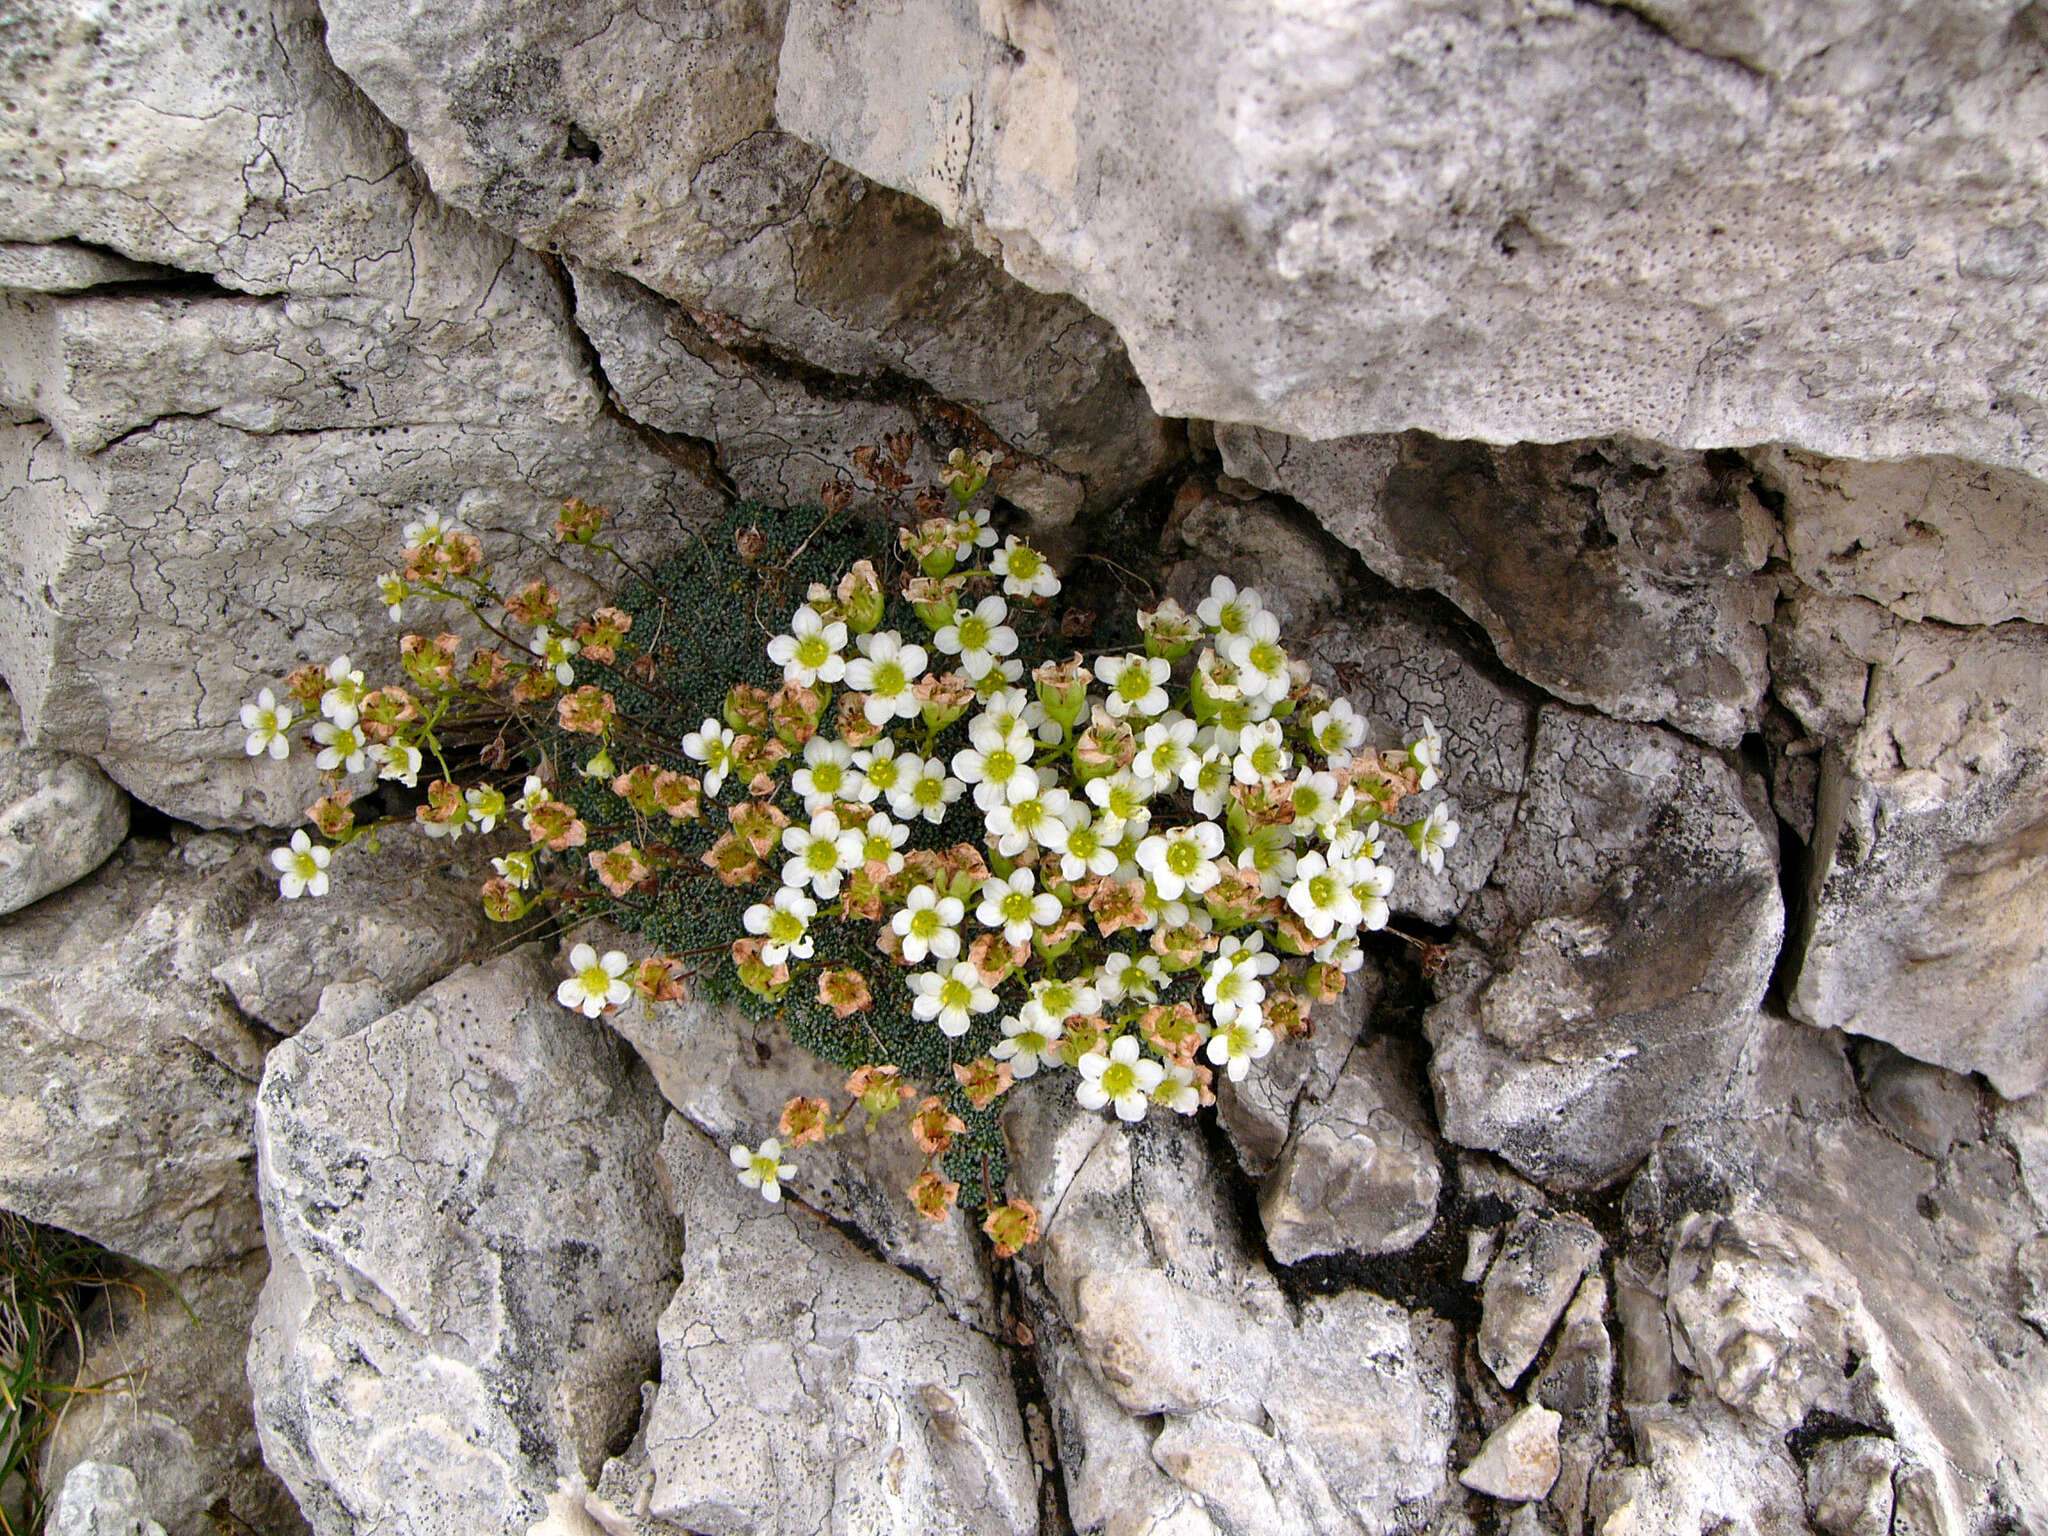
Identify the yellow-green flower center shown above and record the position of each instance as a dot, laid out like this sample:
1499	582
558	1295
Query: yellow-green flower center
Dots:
1119	1078
889	679
595	980
822	855
1322	890
828	777
1182	856
812	651
1016	907
974	632
924	923
785	927
1000	765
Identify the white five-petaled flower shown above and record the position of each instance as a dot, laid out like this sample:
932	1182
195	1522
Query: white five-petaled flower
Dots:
1034	818
1212	783
1136	684
1315	800
997	765
341	746
1055	999
1025	572
1261	759
784	924
882	843
1028	1043
828	775
763	1169
1085	852
1238	1044
1017	907
888	773
266	721
886	673
1182	859
1232	984
1338	732
809	653
1121	1079
1167	753
1177	1090
343	697
485	805
1321	895
595	983
1370	884
929	924
301	868
399	761
821	854
554	650
1435	833
978	636
393	589
425	532
1128	979
1010	711
1227	610
712	746
929	792
1261	662
517	869
1123	799
951	996
1427	753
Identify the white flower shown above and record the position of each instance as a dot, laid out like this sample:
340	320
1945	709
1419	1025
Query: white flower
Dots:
594	984
1231	984
1136	684
393	589
400	761
972	529
978	636
1337	732
301	868
1085	852
1012	712
1025	572
951	996
1427	753
1433	835
1321	895
1315	801
821	854
885	674
889	774
1033	818
764	1169
1261	759
828	775
1370	884
1055	999
341	746
809	653
1267	852
1122	798
1212	784
1166	752
342	700
533	794
485	806
1237	1045
882	841
1227	610
1180	859
1261	663
999	771
712	746
425	532
929	925
516	869
1177	1090
1343	953
785	924
1124	979
1119	1078
266	721
929	793
554	650
1027	1045
1017	907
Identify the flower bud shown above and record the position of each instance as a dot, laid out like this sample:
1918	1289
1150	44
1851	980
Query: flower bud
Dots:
1063	690
942	698
860	598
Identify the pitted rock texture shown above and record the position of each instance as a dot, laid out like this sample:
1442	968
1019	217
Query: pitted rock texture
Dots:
1618	574
60	816
1504	220
469	1250
1333	1417
1927	922
101	1499
1623	942
807	1388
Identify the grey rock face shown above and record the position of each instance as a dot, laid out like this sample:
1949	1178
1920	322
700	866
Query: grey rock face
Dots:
1335	1418
65	266
1617	574
1504	222
60	817
469	1253
1929	887
1359	1173
1518	1463
98	1499
1629	931
1532	1279
807	1387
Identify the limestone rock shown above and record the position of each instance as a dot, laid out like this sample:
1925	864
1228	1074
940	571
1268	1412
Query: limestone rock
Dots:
127	1098
730	1076
1928	1109
1698	1471
469	1252
101	1500
60	817
524	119
1528	1286
1629	931
1576	1379
805	1386
1616	574
176	1409
1258	1113
1927	538
65	266
1849	1486
1327	1419
1359	1173
1518	1463
1928	894
1503	222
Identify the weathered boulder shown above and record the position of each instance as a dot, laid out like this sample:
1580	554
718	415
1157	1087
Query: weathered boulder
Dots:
1698	225
100	1499
66	266
1534	1274
1613	573
60	816
175	1406
1927	897
1624	940
808	1387
1334	1417
1518	1463
469	1252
